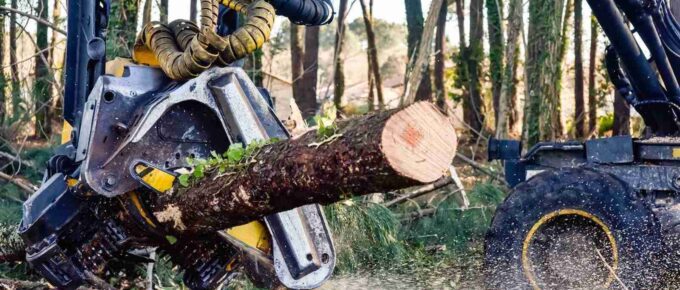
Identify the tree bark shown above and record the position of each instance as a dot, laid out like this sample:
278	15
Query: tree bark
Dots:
474	107
372	53
308	103
193	13
508	86
414	24
543	71
379	152
3	80
14	67
42	88
164	11
339	60
146	14
592	90
297	53
621	116
440	57
494	12
579	97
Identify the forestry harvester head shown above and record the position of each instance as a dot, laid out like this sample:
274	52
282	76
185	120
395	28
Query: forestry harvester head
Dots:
604	213
131	124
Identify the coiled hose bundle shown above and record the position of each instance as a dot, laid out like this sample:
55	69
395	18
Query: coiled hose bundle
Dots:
183	50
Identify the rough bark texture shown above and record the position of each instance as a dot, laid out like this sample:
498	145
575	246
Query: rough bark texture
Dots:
579	97
372	52
494	13
3	80
414	24
506	102
307	102
422	59
339	69
440	57
621	116
297	53
41	88
473	106
14	67
543	71
592	93
383	151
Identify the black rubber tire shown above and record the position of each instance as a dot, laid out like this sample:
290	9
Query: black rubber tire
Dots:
631	221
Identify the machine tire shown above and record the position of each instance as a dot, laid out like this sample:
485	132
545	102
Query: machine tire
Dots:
566	196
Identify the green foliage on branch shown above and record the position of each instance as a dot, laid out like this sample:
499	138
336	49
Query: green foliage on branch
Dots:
234	159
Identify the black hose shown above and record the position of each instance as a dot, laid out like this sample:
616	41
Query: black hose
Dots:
306	12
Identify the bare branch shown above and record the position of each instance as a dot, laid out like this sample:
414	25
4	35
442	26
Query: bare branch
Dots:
36	18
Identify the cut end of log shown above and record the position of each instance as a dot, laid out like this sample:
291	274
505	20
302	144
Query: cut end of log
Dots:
419	142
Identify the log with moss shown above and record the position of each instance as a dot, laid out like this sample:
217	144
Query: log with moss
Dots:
378	152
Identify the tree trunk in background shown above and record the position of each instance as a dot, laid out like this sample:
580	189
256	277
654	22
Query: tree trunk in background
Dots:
3	80
474	106
17	111
506	109
163	7
192	10
579	97
122	28
621	116
339	60
494	12
41	87
414	24
440	57
558	68
308	103
592	93
373	53
541	119
461	81
57	20
146	14
297	53
374	153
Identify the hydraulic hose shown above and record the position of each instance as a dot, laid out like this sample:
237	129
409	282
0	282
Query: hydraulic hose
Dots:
307	12
183	51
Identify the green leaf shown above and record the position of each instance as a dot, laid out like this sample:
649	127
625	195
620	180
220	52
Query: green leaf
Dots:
171	239
184	180
236	152
199	171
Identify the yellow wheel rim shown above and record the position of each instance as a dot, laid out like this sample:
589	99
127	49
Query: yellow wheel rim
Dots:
526	262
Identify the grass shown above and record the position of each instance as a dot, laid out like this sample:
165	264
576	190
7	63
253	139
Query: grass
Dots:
368	237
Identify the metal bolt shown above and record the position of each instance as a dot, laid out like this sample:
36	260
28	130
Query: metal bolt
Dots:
110	180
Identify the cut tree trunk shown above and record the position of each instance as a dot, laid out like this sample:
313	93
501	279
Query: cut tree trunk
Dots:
384	151
621	116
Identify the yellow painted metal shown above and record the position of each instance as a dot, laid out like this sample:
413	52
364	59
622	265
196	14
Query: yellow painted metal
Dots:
526	263
159	180
253	234
676	152
66	133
